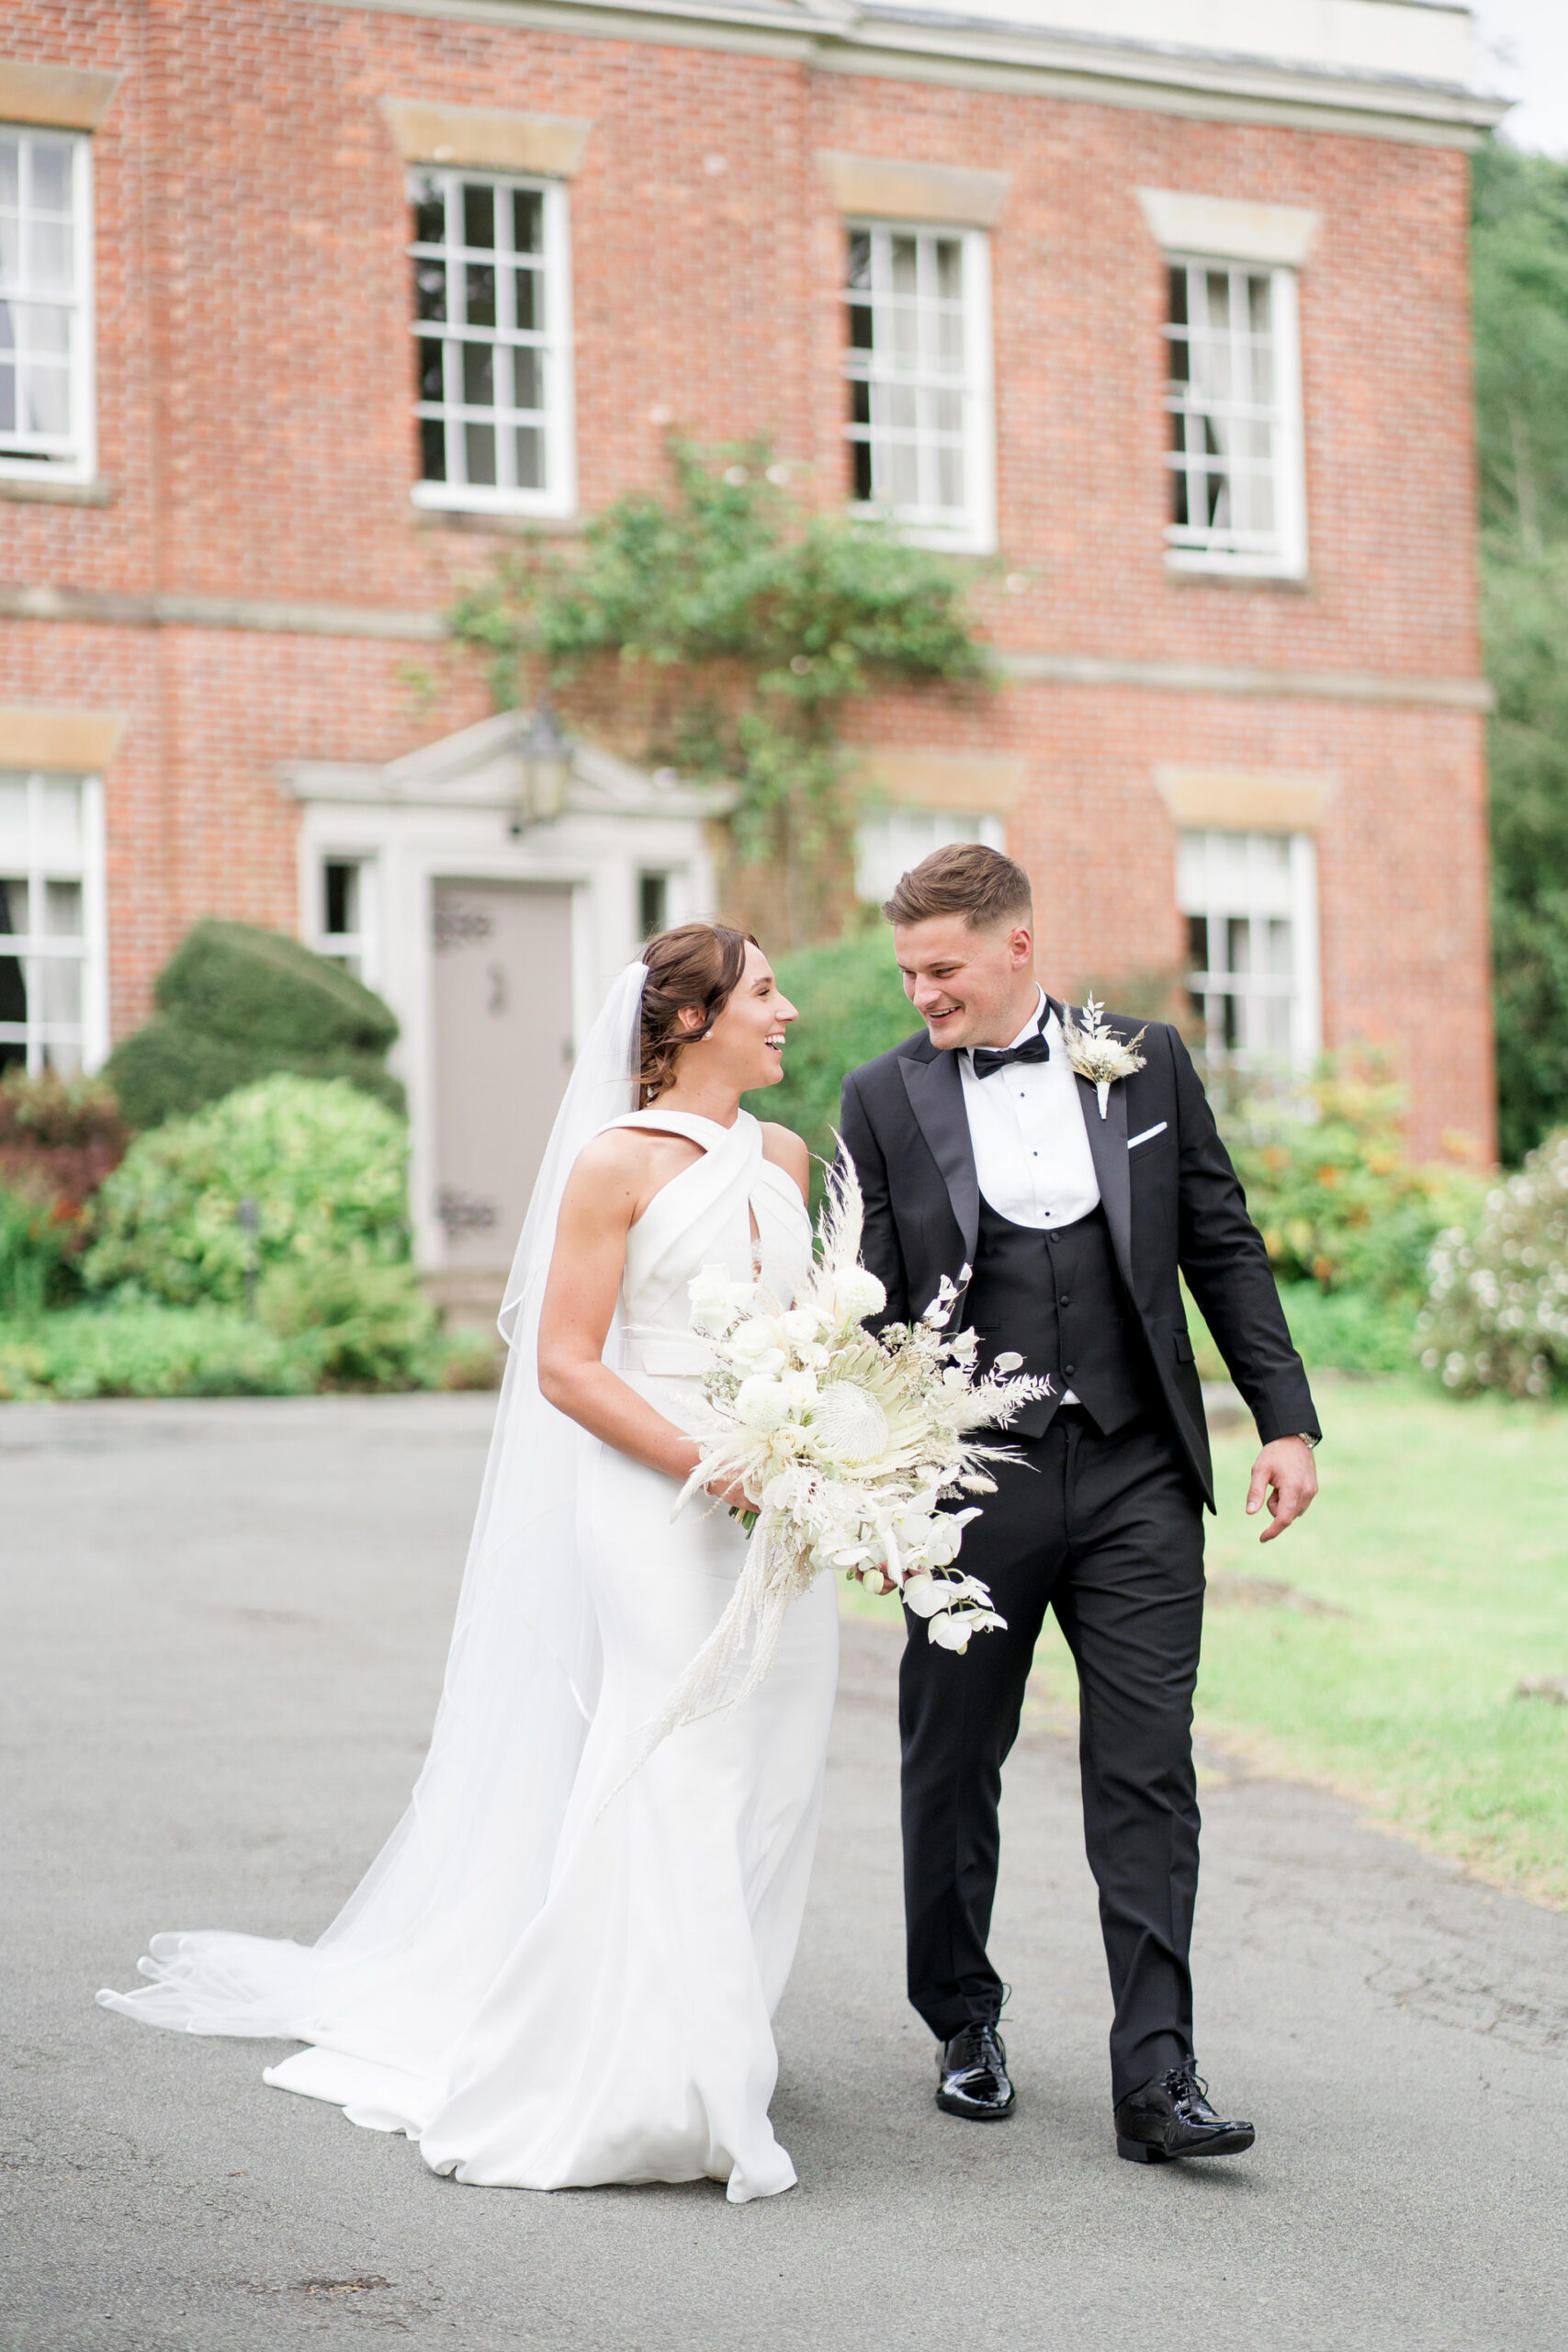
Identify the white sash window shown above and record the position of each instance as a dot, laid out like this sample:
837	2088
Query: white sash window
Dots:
919	364
493	343
46	324
1250	901
888	842
1238	502
53	981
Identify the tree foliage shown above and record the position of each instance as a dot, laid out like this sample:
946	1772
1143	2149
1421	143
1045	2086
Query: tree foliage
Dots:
1520	268
748	623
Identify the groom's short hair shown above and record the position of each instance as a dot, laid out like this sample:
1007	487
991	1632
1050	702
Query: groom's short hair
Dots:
963	879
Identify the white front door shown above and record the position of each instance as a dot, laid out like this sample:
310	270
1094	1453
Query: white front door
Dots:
503	1052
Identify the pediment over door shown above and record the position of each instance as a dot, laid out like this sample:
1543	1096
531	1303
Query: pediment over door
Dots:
481	767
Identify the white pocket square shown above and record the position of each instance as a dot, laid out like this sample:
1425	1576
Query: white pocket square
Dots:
1148	1134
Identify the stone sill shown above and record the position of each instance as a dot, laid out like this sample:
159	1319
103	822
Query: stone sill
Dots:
1291	583
44	492
486	523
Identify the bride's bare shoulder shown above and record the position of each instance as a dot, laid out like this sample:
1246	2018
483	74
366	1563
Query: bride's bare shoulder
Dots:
625	1166
789	1151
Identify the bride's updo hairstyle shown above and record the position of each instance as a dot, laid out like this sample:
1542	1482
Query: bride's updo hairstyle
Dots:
697	965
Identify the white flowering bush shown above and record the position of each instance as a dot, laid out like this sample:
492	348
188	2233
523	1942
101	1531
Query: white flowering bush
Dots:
1497	1315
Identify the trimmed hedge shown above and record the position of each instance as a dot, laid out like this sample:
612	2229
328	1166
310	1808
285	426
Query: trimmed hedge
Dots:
236	1003
326	1167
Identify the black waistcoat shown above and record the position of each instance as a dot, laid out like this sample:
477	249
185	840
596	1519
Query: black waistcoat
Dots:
1055	1297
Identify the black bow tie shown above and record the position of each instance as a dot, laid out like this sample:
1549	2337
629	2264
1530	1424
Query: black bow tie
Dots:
990	1058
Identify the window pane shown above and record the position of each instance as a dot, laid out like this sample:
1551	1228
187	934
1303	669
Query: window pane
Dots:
1198	943
1238	943
13	990
527	379
653	903
528	314
527	221
479	375
13	903
60	989
51	175
429	366
904	265
949	269
529	444
478	444
862	326
432	449
479	280
10	249
860	401
429	211
430	290
48	256
60	823
14	820
950	478
62	910
1281	957
860	467
860	258
7	399
341	891
479	215
10	170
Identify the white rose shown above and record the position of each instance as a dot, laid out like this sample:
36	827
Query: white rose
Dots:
857	1293
800	1387
799	1325
757	1336
761	1403
716	1300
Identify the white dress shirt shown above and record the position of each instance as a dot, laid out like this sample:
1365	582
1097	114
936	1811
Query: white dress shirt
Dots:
1026	1126
1032	1153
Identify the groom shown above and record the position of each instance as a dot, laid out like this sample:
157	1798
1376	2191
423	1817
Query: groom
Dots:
978	1148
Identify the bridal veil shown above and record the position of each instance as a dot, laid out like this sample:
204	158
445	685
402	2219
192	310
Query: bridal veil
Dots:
469	1865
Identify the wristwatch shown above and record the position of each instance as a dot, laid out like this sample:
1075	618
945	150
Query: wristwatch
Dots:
1306	1437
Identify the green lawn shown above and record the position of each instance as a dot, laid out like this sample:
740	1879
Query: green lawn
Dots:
1438	1551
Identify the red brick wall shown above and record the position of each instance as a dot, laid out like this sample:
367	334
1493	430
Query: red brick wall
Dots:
254	389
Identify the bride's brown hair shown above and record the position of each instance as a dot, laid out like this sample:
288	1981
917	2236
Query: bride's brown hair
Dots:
697	965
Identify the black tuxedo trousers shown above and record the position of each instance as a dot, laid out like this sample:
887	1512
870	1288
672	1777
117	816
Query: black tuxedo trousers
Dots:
1106	1532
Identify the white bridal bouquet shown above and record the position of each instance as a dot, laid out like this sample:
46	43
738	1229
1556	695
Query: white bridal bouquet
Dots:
843	1443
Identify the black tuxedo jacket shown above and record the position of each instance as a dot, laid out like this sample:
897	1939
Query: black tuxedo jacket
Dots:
1172	1202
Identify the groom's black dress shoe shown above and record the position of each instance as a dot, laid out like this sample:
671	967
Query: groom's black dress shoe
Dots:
975	2074
1172	2117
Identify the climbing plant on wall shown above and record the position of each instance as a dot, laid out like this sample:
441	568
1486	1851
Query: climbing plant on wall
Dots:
733	625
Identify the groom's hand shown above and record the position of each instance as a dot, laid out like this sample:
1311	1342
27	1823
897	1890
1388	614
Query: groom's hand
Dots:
1286	1475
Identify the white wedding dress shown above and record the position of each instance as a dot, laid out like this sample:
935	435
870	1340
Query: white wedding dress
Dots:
562	1969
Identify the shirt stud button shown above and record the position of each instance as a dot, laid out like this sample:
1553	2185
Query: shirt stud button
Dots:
1063	1300
1069	1369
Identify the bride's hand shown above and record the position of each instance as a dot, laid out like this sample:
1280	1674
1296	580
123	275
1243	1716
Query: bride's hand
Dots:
732	1492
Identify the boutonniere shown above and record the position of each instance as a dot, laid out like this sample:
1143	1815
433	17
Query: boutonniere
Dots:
1096	1054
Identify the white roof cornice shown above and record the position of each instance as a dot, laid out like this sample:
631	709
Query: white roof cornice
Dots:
1390	68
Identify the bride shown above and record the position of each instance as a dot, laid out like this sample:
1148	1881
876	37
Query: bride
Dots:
561	1968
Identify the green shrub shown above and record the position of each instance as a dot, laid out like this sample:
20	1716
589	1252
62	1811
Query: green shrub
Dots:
853	1007
326	1165
36	1262
147	1351
234	1003
370	1327
1497	1313
1337	1201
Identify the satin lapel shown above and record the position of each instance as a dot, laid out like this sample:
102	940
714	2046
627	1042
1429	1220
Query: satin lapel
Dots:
1108	1146
936	1097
